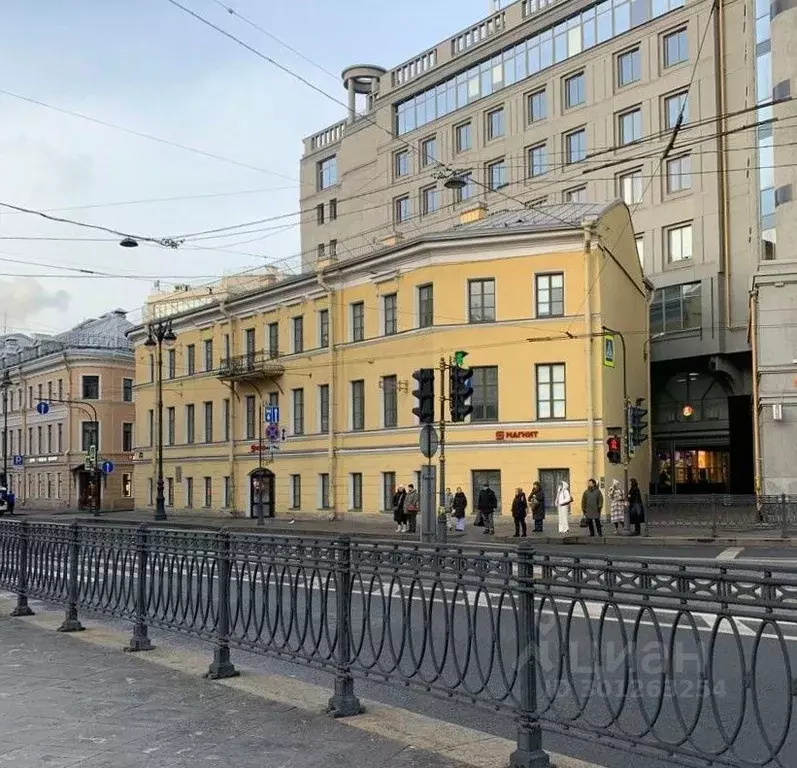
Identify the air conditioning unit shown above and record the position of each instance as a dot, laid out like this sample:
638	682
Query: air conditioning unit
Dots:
777	411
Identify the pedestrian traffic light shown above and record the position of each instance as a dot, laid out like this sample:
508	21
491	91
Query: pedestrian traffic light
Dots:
424	394
613	446
639	422
460	389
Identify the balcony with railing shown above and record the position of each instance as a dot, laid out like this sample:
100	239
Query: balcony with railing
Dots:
252	366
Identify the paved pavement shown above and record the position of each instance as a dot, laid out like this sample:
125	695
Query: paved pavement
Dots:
65	703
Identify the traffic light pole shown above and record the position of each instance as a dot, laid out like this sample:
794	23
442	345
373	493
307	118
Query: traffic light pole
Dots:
442	432
625	452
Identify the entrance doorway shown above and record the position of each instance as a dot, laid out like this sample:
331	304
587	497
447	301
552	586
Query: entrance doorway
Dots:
490	476
549	482
88	493
261	492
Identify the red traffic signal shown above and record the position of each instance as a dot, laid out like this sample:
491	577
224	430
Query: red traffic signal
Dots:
613	449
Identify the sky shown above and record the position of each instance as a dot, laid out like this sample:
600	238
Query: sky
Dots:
149	67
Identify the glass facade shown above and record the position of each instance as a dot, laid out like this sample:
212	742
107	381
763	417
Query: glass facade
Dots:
594	25
766	151
676	308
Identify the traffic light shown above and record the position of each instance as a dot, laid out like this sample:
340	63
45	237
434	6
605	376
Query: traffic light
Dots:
639	422
460	391
424	394
613	448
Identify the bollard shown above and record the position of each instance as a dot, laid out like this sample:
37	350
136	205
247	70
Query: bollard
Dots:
529	752
344	703
140	640
71	623
221	666
22	608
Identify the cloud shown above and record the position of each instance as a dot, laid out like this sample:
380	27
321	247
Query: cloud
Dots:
26	297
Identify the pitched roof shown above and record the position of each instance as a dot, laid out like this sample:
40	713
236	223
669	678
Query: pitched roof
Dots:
539	218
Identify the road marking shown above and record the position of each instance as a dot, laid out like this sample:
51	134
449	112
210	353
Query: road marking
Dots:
731	553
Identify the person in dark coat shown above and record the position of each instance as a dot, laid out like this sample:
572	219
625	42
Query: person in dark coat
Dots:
12	500
537	506
636	509
411	506
460	505
592	506
520	508
398	509
487	503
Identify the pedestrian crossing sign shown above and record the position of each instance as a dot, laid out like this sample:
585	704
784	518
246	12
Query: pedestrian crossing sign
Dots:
608	350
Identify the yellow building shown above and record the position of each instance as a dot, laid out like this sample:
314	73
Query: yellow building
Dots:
528	294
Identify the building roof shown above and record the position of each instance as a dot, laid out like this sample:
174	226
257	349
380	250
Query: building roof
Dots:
540	218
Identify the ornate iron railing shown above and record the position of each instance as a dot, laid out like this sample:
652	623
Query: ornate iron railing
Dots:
691	661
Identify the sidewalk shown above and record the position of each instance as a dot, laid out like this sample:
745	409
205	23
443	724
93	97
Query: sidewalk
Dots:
382	526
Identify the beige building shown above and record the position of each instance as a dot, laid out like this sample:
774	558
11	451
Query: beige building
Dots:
65	394
550	102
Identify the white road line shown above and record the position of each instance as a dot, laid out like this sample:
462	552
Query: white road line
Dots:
731	553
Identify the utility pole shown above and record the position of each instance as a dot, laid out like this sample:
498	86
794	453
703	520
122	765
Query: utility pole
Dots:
443	368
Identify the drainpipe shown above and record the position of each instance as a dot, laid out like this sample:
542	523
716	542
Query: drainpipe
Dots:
588	352
722	139
331	454
753	308
231	385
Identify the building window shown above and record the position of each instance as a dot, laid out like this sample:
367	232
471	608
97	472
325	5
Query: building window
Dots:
679	174
90	435
629	67
390	401
429	151
207	346
629	127
679	243
466	192
30	440
401	164
495	124
227	347
39	441
672	109
227	491
189	491
250	345
401	209
170	425
274	399
551	391
640	249
91	388
538	160
323	482
358	321
333	209
576	195
463	137
676	308
208	422
127	485
40	396
481	301
60	431
298	411
190	424
496	175
485	393
388	490
208	491
676	48
250	417
333	249
358	405
296	491
323	409
390	310
575	90
169	491
50	439
319	213
273	340
327	173
430	200
575	146
298	333
630	187
190	355
30	397
537	105
323	328
151	430
550	295
356	491
225	415
425	306
127	391
171	361
127	437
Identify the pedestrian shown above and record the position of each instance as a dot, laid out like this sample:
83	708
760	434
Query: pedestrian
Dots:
411	509
636	509
537	506
12	500
563	501
398	509
617	504
460	505
448	504
487	504
520	507
3	501
592	506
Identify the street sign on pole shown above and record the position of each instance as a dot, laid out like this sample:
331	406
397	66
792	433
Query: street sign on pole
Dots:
273	432
271	414
107	467
429	441
18	461
42	408
608	350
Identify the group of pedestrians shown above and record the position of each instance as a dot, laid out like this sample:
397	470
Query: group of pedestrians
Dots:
406	503
592	507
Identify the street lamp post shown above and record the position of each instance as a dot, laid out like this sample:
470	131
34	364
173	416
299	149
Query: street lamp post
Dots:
157	334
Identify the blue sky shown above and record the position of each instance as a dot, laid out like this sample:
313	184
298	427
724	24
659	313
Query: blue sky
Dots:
150	67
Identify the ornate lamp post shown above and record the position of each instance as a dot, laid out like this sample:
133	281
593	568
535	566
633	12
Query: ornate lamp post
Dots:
159	334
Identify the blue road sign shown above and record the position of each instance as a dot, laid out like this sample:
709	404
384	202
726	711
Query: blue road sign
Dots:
273	432
18	461
271	414
43	408
107	467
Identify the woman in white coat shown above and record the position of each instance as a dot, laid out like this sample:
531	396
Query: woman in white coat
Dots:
563	502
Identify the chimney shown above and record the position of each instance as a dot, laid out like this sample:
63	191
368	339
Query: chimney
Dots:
476	212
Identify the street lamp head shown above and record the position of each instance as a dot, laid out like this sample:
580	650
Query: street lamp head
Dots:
168	335
150	342
129	242
455	182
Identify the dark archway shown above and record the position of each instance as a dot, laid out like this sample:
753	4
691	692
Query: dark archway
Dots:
261	492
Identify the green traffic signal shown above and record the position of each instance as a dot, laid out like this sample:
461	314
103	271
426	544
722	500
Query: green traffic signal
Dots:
459	357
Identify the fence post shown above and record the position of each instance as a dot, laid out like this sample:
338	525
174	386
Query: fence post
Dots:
221	666
71	623
529	752
344	703
784	517
22	608
713	515
140	640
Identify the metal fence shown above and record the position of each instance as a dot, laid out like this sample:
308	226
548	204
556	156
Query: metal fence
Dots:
690	661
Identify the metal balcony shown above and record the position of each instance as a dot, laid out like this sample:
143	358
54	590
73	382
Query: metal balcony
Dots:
253	366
